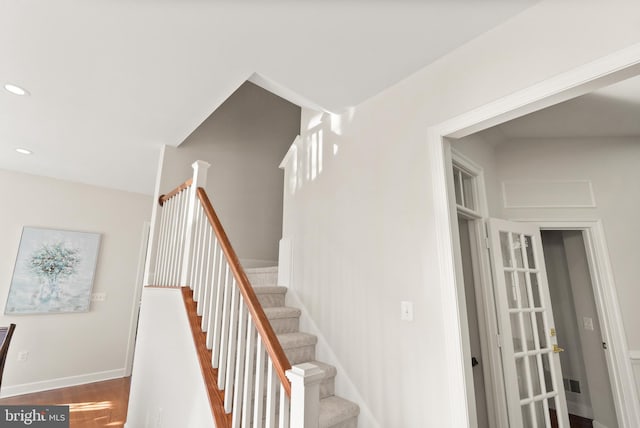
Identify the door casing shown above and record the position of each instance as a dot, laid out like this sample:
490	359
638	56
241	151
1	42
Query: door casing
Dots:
581	80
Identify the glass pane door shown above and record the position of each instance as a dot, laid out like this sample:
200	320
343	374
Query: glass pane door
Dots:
531	365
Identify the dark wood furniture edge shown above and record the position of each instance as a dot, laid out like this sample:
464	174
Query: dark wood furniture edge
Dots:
4	348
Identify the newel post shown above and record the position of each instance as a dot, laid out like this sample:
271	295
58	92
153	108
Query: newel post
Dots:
199	180
305	395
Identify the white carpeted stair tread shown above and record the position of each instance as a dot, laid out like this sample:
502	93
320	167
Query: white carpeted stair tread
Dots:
270	290
327	369
279	312
284	319
270	296
335	410
268	269
296	340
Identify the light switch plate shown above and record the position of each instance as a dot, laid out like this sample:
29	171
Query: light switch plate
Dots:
406	311
587	323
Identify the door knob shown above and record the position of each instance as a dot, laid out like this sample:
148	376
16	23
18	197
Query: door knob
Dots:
557	349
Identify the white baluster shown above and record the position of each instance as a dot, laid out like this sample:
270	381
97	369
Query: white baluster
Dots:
170	241
165	243
305	395
202	280
198	239
183	231
284	409
161	238
233	341
258	390
199	180
208	280
247	395
194	248
216	301
217	319
271	396
238	387
178	250
224	332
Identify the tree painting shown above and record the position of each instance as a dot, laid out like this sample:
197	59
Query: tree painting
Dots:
51	263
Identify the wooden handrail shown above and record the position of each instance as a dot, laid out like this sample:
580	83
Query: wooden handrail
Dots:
164	198
272	345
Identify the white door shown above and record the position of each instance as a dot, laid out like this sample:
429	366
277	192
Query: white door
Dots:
531	364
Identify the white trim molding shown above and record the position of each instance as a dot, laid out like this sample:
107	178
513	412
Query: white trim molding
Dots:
635	356
606	70
62	382
589	202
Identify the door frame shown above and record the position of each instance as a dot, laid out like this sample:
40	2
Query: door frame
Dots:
607	307
579	81
137	295
485	298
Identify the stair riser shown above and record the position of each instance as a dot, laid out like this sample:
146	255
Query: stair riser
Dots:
265	279
285	325
301	354
271	300
327	387
349	423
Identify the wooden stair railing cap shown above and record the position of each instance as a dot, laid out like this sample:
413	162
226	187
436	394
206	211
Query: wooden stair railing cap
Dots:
164	198
280	361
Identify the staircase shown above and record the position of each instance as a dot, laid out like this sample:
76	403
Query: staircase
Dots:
299	347
259	369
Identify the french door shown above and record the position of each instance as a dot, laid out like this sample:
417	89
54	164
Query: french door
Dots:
530	360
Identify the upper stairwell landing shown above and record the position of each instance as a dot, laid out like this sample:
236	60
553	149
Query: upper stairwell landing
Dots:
299	347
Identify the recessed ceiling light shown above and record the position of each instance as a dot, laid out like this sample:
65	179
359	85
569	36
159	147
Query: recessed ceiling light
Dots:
15	89
24	151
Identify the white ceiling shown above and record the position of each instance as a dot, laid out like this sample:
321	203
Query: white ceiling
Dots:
113	80
612	111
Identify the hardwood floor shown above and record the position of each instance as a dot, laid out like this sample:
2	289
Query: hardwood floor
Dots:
94	405
574	421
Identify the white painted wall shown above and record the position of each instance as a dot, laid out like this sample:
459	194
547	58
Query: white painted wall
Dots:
611	167
361	220
244	140
69	349
635	362
167	388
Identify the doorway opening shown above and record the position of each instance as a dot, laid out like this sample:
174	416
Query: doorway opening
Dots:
584	367
568	85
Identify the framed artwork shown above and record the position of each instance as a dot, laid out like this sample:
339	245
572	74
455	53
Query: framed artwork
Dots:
54	272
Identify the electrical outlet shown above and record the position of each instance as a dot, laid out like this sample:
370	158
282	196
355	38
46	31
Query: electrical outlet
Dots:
406	311
98	297
23	355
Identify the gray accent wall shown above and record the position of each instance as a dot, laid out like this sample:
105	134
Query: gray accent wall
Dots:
244	140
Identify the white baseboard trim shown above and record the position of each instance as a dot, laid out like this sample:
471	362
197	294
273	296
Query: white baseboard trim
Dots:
597	424
63	382
343	384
